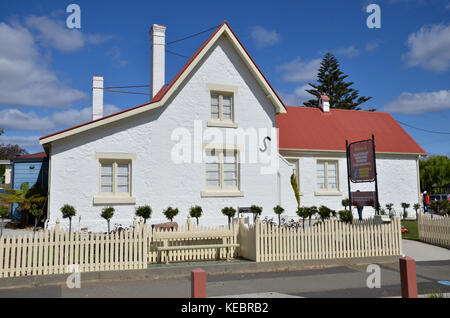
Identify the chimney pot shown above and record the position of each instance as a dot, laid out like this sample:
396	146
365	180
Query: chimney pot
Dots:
158	51
324	103
97	97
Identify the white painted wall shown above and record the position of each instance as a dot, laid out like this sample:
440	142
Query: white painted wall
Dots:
156	180
397	182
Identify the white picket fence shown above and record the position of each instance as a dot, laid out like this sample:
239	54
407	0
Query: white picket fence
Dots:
328	240
434	230
57	251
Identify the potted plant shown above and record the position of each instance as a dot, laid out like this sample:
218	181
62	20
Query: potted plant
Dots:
170	213
230	212
196	212
278	211
144	212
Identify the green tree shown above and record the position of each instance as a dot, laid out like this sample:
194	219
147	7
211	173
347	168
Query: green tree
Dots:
294	184
331	83
311	212
324	212
278	211
303	213
230	212
9	152
389	207
144	212
416	208
256	210
37	212
25	197
345	203
4	213
107	214
170	213
405	206
68	212
434	174
346	216
196	212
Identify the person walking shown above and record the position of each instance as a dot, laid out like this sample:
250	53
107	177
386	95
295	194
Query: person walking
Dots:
426	201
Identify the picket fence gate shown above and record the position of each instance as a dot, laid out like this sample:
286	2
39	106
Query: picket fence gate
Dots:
434	230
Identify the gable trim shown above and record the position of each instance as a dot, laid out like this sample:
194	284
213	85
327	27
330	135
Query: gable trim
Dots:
166	92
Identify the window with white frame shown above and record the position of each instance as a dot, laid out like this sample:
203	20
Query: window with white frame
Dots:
222	169
115	177
222	107
327	175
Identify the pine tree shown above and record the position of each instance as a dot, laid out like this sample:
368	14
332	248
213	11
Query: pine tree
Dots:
331	83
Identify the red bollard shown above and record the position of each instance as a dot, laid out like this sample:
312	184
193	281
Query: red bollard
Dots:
408	277
198	283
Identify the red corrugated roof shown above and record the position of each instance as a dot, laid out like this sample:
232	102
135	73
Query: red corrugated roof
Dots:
311	129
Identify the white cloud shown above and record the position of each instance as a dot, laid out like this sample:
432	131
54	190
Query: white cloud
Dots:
26	142
299	71
298	97
25	79
14	119
350	51
429	48
417	103
73	117
372	45
17	120
264	37
55	34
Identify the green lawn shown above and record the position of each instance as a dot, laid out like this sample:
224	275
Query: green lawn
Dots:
413	230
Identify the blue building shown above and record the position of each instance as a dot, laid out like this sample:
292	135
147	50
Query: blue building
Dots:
32	169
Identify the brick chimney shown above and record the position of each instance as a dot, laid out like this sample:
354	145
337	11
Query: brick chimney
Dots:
158	58
324	103
97	97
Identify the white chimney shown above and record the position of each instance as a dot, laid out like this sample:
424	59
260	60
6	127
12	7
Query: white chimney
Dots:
324	103
97	97
158	58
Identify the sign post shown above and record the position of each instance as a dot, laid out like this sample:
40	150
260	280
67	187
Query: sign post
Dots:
361	167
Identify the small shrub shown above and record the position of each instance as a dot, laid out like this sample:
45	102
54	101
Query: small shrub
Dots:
389	207
170	213
346	216
278	211
68	211
256	210
144	212
405	206
107	214
345	203
311	212
324	212
230	212
196	212
303	213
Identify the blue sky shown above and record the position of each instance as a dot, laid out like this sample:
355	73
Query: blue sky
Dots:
46	69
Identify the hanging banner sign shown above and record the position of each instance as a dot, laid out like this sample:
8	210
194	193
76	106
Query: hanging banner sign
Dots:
362	163
366	198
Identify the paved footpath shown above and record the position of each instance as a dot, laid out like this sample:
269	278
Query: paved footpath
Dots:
339	281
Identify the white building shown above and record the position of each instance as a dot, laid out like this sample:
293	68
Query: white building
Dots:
201	140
